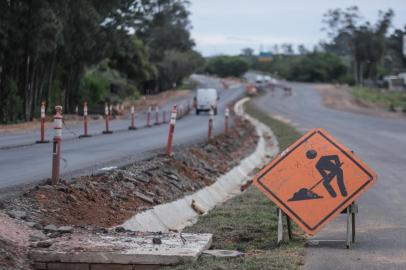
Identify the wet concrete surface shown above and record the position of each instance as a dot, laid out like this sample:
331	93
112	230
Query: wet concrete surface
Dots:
379	142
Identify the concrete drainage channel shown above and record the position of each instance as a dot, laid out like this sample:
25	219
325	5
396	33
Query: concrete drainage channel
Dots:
179	214
143	249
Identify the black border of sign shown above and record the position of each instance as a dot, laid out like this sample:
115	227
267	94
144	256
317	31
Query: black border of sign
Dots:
335	210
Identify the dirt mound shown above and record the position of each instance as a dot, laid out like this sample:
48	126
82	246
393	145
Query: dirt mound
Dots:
340	98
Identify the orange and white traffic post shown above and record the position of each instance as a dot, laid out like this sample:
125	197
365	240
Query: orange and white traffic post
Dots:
107	118
42	128
226	116
172	124
210	133
132	127
156	115
56	152
85	122
149	116
111	112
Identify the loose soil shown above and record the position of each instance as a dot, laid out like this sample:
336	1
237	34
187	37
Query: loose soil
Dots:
340	97
99	202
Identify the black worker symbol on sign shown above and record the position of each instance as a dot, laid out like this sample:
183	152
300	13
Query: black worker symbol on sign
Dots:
329	168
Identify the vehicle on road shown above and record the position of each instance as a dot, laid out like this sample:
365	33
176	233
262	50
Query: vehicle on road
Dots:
267	79
206	99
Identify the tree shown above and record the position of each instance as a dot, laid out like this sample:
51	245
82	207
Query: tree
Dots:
394	60
247	52
364	43
177	65
287	49
225	66
302	49
48	46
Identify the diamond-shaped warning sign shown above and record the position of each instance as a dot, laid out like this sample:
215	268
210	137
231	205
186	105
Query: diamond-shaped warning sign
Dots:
314	179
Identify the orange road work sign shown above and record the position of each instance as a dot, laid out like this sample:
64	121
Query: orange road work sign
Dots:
314	180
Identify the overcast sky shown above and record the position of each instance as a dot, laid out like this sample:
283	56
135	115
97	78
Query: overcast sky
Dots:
227	26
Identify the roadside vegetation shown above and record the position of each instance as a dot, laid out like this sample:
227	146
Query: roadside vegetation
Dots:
248	223
392	100
227	66
65	52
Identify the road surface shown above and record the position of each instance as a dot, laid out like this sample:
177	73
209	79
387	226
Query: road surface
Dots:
381	143
26	165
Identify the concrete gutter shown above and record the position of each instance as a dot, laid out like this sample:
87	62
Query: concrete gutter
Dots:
179	214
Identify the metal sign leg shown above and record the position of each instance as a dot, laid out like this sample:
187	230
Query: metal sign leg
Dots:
289	224
349	226
280	227
354	209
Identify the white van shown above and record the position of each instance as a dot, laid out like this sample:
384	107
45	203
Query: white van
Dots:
206	99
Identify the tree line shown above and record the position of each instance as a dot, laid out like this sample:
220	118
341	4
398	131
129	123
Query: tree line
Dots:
65	51
357	51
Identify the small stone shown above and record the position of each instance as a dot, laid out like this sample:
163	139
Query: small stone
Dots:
129	185
31	224
38	236
144	197
62	189
72	198
156	241
54	234
38	226
44	244
101	230
46	187
17	214
51	228
119	229
65	229
223	253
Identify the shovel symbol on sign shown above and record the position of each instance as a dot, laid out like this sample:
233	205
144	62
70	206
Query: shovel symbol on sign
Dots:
329	168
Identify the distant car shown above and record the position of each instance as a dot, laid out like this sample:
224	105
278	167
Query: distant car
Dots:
267	79
206	99
259	79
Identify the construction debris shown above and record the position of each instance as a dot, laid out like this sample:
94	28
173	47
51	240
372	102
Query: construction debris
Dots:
86	250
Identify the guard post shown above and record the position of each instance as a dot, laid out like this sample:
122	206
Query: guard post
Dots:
210	131
42	127
107	118
157	115
172	124
85	122
149	116
226	116
56	152
132	126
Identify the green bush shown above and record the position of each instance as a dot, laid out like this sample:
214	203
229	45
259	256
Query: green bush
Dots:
389	99
312	67
93	88
227	66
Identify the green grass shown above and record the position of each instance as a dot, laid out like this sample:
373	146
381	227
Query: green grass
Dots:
285	133
388	99
248	223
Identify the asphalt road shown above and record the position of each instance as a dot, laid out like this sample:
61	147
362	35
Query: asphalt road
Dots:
95	127
26	165
381	143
